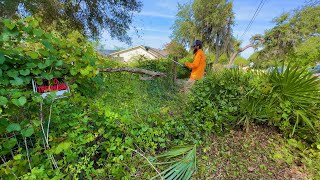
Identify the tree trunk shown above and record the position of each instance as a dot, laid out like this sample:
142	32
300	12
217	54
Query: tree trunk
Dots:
217	49
235	54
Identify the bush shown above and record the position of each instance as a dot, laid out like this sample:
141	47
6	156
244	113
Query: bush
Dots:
215	101
287	99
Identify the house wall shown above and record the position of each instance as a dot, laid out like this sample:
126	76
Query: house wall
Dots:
134	54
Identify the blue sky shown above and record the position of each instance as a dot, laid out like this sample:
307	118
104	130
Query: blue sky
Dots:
155	20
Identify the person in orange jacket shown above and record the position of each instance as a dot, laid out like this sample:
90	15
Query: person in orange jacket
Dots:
197	66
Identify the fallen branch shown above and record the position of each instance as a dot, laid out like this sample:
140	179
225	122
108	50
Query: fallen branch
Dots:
153	74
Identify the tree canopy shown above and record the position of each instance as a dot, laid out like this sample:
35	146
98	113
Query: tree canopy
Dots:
295	37
88	16
208	20
176	49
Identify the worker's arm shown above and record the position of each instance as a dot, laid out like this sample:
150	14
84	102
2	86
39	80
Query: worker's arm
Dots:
195	63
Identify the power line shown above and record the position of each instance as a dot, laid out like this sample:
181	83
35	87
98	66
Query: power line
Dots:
262	2
252	19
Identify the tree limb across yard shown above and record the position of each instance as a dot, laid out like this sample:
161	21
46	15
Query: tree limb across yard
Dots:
153	74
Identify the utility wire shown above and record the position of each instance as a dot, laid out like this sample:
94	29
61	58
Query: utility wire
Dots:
262	2
252	19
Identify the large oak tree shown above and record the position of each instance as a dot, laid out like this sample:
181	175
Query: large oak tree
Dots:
88	16
294	38
208	20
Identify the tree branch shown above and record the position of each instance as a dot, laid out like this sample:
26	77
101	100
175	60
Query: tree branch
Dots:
252	44
154	74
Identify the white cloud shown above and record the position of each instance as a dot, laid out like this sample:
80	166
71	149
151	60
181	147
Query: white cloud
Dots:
244	10
246	13
171	5
155	41
156	29
155	14
167	4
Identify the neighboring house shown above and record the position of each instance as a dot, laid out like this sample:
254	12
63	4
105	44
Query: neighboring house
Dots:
106	52
138	52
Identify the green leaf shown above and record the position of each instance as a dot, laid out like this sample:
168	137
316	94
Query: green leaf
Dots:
44	52
62	146
9	144
73	72
42	65
17	81
0	72
318	146
9	24
22	100
12	73
112	148
34	23
32	54
24	72
13	127
47	76
27	132
31	65
3	101
59	63
17	157
57	74
36	71
86	70
37	123
19	102
4	37
38	32
47	44
2	58
48	62
101	130
27	79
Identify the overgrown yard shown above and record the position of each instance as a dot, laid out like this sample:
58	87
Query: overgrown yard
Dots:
232	125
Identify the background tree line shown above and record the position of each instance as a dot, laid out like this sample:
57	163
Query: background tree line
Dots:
294	38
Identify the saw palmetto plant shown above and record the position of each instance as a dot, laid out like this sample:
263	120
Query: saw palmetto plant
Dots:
296	90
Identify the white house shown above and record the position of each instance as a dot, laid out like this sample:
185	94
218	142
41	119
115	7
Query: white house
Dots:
138	52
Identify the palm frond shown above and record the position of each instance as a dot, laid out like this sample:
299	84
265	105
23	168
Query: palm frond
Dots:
296	85
182	168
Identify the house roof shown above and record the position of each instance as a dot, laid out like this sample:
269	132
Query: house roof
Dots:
106	51
153	51
161	52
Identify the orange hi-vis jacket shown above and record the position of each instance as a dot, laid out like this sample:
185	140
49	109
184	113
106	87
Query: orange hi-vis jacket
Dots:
198	65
